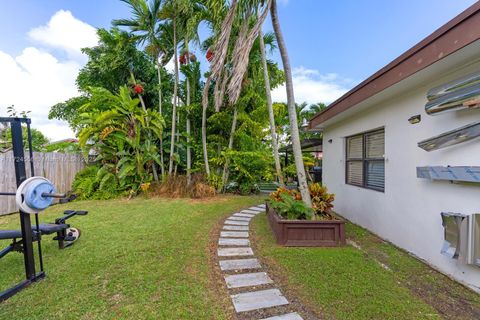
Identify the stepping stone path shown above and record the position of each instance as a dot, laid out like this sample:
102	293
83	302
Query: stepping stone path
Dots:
243	272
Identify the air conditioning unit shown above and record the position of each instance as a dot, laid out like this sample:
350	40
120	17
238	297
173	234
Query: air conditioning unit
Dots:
461	237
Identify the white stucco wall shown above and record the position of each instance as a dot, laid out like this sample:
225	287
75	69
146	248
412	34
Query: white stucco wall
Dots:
408	212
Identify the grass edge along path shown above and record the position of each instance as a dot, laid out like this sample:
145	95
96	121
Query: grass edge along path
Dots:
137	259
347	283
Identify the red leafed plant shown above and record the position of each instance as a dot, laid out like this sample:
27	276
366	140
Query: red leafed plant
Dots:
277	195
321	200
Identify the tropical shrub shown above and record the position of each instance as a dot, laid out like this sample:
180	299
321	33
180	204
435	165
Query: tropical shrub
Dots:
247	168
90	183
123	136
283	200
321	200
290	208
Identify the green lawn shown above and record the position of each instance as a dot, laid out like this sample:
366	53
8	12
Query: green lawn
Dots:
137	259
348	283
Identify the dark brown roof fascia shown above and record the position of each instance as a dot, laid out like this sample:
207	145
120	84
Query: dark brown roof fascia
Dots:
457	33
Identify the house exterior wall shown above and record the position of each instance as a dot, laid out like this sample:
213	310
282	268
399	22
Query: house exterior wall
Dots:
408	212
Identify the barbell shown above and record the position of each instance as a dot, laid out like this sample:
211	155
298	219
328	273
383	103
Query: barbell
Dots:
36	194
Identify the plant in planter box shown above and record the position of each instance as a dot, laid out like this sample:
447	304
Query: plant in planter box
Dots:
296	225
288	207
321	201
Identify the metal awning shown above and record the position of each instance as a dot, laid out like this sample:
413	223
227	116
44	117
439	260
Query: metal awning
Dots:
308	145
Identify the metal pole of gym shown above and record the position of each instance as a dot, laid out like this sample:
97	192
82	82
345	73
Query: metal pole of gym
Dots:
27	235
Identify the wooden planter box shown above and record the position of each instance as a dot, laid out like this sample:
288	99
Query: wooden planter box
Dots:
306	233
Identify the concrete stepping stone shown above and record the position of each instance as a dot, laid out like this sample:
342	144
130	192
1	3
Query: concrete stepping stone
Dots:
236	223
289	316
257	209
240	264
262	205
258	300
250	212
245	215
236	228
234	234
247	280
232	252
233	242
239	218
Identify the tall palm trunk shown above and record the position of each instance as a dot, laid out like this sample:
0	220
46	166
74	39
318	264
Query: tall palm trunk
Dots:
292	114
188	124
271	115
178	142
230	146
144	107
175	98
162	165
204	125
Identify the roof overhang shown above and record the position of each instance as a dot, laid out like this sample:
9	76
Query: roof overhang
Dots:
308	145
461	32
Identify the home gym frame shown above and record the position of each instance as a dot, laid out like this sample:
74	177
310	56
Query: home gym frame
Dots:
28	235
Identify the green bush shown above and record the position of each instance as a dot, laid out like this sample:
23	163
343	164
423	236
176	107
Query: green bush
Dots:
90	183
289	208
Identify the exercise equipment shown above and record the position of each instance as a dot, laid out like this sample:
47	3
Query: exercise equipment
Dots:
65	234
33	195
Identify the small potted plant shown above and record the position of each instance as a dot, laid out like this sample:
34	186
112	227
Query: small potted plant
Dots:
295	224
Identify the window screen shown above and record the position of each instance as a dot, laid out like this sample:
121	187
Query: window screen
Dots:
365	160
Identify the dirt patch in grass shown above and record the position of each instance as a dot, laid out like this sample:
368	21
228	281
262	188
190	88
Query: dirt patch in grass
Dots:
449	298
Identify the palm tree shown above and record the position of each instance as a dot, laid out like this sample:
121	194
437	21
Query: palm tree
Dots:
191	16
170	11
144	25
271	115
292	114
220	50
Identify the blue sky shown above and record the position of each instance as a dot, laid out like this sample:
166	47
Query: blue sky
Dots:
333	45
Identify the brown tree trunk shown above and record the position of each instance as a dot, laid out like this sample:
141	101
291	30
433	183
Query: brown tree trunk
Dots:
188	124
162	165
271	115
204	125
292	114
144	107
230	146
175	97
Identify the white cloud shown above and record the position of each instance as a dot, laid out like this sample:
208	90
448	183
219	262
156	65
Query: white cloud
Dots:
67	33
312	87
36	79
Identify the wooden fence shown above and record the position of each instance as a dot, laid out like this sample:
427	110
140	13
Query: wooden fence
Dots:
59	168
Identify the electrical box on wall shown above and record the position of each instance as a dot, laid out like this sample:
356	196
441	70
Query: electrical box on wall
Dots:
473	254
461	237
455	234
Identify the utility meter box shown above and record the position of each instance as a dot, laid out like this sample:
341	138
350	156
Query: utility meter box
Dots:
455	235
473	253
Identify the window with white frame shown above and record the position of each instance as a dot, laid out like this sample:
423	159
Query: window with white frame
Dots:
365	162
